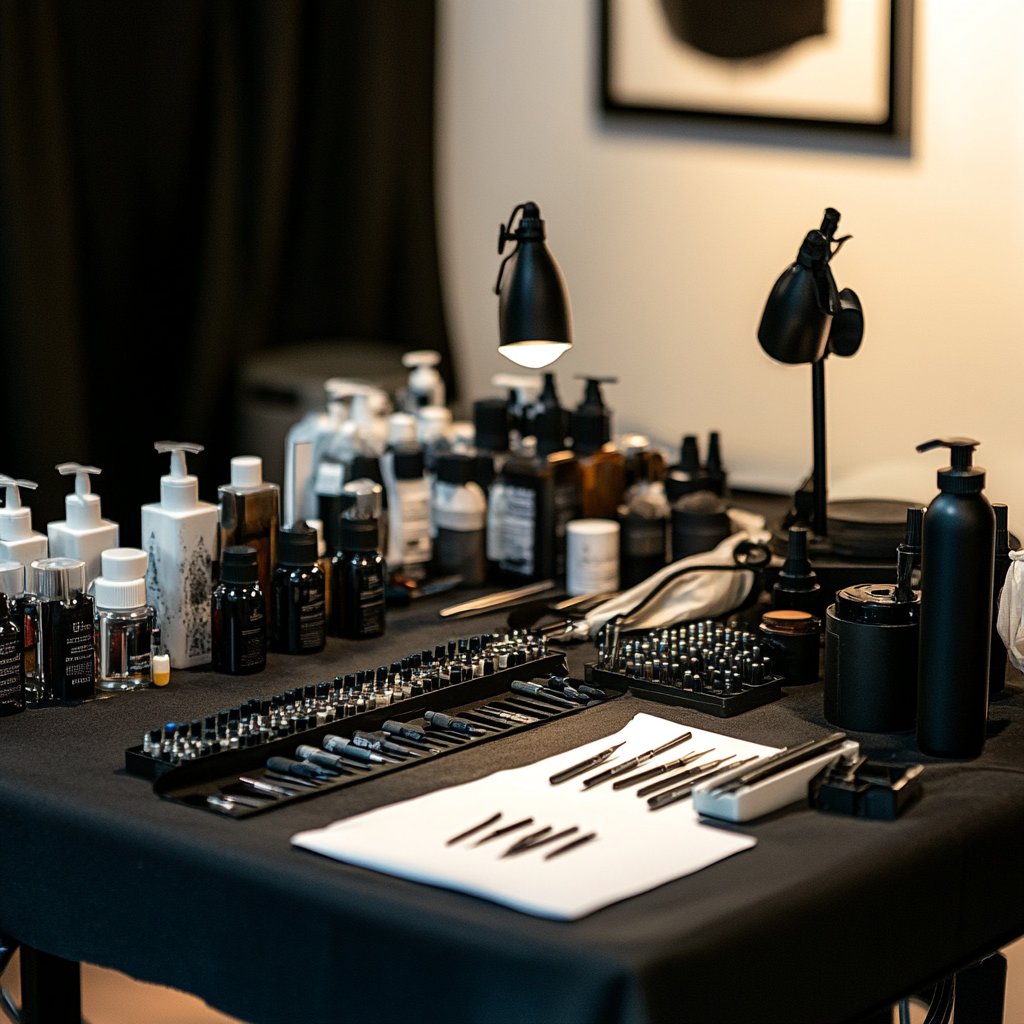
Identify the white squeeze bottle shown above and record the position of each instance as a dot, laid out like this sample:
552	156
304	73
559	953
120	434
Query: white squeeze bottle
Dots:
18	541
180	535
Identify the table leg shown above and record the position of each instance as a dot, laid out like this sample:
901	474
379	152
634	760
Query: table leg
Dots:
981	992
51	988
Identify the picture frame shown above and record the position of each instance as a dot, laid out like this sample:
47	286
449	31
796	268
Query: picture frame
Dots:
840	65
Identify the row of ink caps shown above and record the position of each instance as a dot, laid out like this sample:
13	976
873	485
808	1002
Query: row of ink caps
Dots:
261	720
699	656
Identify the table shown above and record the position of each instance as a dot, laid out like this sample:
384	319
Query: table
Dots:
827	918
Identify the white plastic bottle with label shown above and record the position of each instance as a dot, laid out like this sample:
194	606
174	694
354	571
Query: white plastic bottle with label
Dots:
459	519
408	490
18	541
84	534
180	535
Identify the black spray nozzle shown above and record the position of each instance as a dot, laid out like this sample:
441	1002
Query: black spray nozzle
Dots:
592	392
797	564
713	464
689	456
590	423
908	555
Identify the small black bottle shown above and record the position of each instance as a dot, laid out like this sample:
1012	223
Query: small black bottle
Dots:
239	614
797	587
298	623
12	670
358	569
63	616
957	555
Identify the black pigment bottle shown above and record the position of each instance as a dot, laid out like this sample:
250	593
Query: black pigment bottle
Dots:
66	647
297	593
239	614
358	569
957	554
12	671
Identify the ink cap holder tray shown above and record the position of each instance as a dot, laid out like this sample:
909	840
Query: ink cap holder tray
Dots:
786	787
193	781
711	702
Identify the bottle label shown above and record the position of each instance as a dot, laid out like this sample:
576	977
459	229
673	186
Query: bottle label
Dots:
311	626
371	604
69	646
12	681
495	522
518	528
415	546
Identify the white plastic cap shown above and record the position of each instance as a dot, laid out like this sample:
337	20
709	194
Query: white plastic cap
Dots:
123	583
401	430
321	544
12	579
246	471
421	357
124	563
432	422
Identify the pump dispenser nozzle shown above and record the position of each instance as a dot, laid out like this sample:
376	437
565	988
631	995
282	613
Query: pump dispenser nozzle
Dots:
12	489
962	476
590	423
82	507
178	489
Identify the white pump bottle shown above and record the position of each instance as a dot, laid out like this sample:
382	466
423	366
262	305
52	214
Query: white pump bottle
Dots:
84	534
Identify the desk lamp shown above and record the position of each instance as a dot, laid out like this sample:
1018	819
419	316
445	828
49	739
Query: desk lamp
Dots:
534	319
805	318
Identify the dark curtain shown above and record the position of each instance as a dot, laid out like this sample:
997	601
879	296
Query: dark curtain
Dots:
185	182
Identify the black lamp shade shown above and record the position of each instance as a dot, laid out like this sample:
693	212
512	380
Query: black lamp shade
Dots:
534	318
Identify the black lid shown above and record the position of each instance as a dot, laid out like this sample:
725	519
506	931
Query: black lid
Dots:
962	477
454	468
367	467
876	604
590	424
239	565
491	424
359	535
297	545
549	423
689	456
713	465
797	567
676	484
484	471
408	463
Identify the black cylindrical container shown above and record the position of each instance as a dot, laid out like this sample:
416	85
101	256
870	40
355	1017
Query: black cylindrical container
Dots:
238	614
793	640
871	642
997	660
642	548
298	625
700	521
957	556
359	575
12	671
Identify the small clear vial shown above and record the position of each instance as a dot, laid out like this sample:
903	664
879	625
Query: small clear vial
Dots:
124	622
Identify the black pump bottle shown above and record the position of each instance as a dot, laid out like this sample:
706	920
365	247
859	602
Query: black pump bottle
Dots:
956	608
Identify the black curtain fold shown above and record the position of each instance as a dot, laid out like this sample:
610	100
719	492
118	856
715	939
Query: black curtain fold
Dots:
184	183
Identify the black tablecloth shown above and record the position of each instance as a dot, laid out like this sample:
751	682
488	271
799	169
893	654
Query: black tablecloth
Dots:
825	918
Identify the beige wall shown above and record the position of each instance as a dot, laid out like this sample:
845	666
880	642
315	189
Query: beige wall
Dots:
670	241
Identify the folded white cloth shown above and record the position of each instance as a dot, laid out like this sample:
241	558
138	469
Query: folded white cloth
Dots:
1010	618
694	595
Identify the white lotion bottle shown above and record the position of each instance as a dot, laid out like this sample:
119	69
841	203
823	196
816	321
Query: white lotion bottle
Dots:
18	541
84	534
180	535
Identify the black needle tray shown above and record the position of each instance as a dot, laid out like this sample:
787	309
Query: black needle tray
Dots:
192	782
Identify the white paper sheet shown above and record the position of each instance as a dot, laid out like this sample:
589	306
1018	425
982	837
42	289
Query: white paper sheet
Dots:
635	850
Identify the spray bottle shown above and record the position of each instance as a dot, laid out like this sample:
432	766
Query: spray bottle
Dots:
180	535
602	465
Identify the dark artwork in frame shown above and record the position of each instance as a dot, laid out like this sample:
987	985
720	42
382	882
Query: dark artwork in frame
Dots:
837	65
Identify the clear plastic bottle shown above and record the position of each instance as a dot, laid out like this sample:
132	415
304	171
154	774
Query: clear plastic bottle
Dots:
124	622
